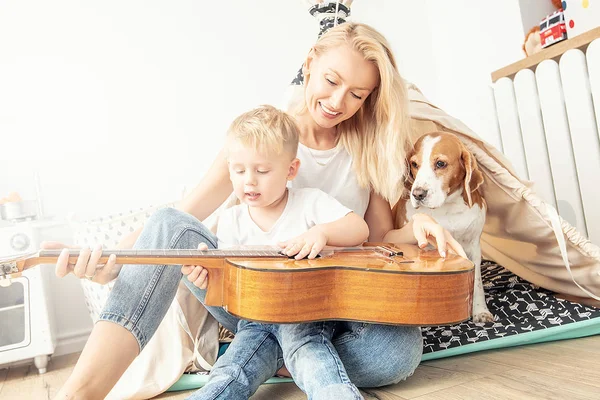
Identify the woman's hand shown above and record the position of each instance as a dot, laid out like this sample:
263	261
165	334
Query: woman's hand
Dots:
427	230
197	274
308	244
87	263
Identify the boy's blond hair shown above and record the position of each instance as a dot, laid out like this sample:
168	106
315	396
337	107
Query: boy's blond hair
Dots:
266	129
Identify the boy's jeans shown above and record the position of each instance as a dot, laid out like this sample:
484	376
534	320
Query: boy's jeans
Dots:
308	354
374	355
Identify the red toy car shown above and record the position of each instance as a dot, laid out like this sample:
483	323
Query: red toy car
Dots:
553	28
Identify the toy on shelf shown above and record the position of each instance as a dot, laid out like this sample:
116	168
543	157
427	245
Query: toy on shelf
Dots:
532	44
533	41
553	28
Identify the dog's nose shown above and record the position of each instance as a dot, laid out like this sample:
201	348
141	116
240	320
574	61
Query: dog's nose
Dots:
419	193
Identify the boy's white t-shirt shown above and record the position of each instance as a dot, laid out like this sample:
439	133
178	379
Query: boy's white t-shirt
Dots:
305	208
336	177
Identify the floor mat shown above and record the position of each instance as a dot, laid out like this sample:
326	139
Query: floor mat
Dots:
523	314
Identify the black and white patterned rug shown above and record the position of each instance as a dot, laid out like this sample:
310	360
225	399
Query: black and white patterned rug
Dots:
518	307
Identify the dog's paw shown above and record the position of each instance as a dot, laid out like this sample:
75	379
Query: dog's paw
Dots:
483	317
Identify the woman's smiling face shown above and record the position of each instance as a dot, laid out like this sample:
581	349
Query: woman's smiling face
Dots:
339	82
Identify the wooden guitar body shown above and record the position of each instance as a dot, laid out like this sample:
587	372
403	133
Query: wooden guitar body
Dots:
417	288
378	283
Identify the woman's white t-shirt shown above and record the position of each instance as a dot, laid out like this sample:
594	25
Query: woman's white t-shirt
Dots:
304	209
336	178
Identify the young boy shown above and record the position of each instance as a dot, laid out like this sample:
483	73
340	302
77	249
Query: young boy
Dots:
261	154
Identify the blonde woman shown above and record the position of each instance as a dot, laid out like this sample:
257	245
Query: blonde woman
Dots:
353	118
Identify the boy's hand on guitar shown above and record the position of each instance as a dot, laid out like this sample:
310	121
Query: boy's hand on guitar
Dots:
197	274
87	263
427	230
308	244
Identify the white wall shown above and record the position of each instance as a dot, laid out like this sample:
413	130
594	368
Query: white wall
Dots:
405	24
470	40
117	105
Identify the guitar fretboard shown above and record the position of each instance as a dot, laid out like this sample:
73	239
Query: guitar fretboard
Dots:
179	253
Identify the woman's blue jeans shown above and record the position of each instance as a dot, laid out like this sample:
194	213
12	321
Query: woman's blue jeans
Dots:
372	354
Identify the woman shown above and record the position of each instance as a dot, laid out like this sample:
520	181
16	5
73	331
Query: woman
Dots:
353	122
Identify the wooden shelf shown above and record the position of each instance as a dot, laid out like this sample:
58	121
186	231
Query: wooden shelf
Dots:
552	52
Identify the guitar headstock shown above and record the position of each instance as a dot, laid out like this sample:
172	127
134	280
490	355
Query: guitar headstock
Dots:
12	265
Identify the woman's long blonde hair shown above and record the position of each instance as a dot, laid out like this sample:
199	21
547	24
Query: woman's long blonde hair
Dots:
378	134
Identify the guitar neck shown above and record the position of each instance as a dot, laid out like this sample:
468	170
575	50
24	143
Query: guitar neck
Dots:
177	257
206	258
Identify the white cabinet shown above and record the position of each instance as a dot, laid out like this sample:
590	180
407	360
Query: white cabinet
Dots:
26	323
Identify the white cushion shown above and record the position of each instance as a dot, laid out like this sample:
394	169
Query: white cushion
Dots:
108	231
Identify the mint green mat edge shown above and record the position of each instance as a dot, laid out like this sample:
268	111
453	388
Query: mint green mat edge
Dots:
569	331
192	381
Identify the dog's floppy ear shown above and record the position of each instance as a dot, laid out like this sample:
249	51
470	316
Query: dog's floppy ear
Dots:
473	176
399	209
409	179
399	213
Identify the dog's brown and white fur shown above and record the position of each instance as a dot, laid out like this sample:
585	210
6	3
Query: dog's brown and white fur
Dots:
444	183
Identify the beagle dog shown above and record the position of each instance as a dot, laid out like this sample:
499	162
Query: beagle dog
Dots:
444	182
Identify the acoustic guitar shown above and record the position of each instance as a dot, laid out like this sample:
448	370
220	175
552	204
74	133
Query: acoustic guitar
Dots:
378	283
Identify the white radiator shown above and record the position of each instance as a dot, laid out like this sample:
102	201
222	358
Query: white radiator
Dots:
549	124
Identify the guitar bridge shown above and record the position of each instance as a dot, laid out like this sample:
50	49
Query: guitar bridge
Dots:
389	252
